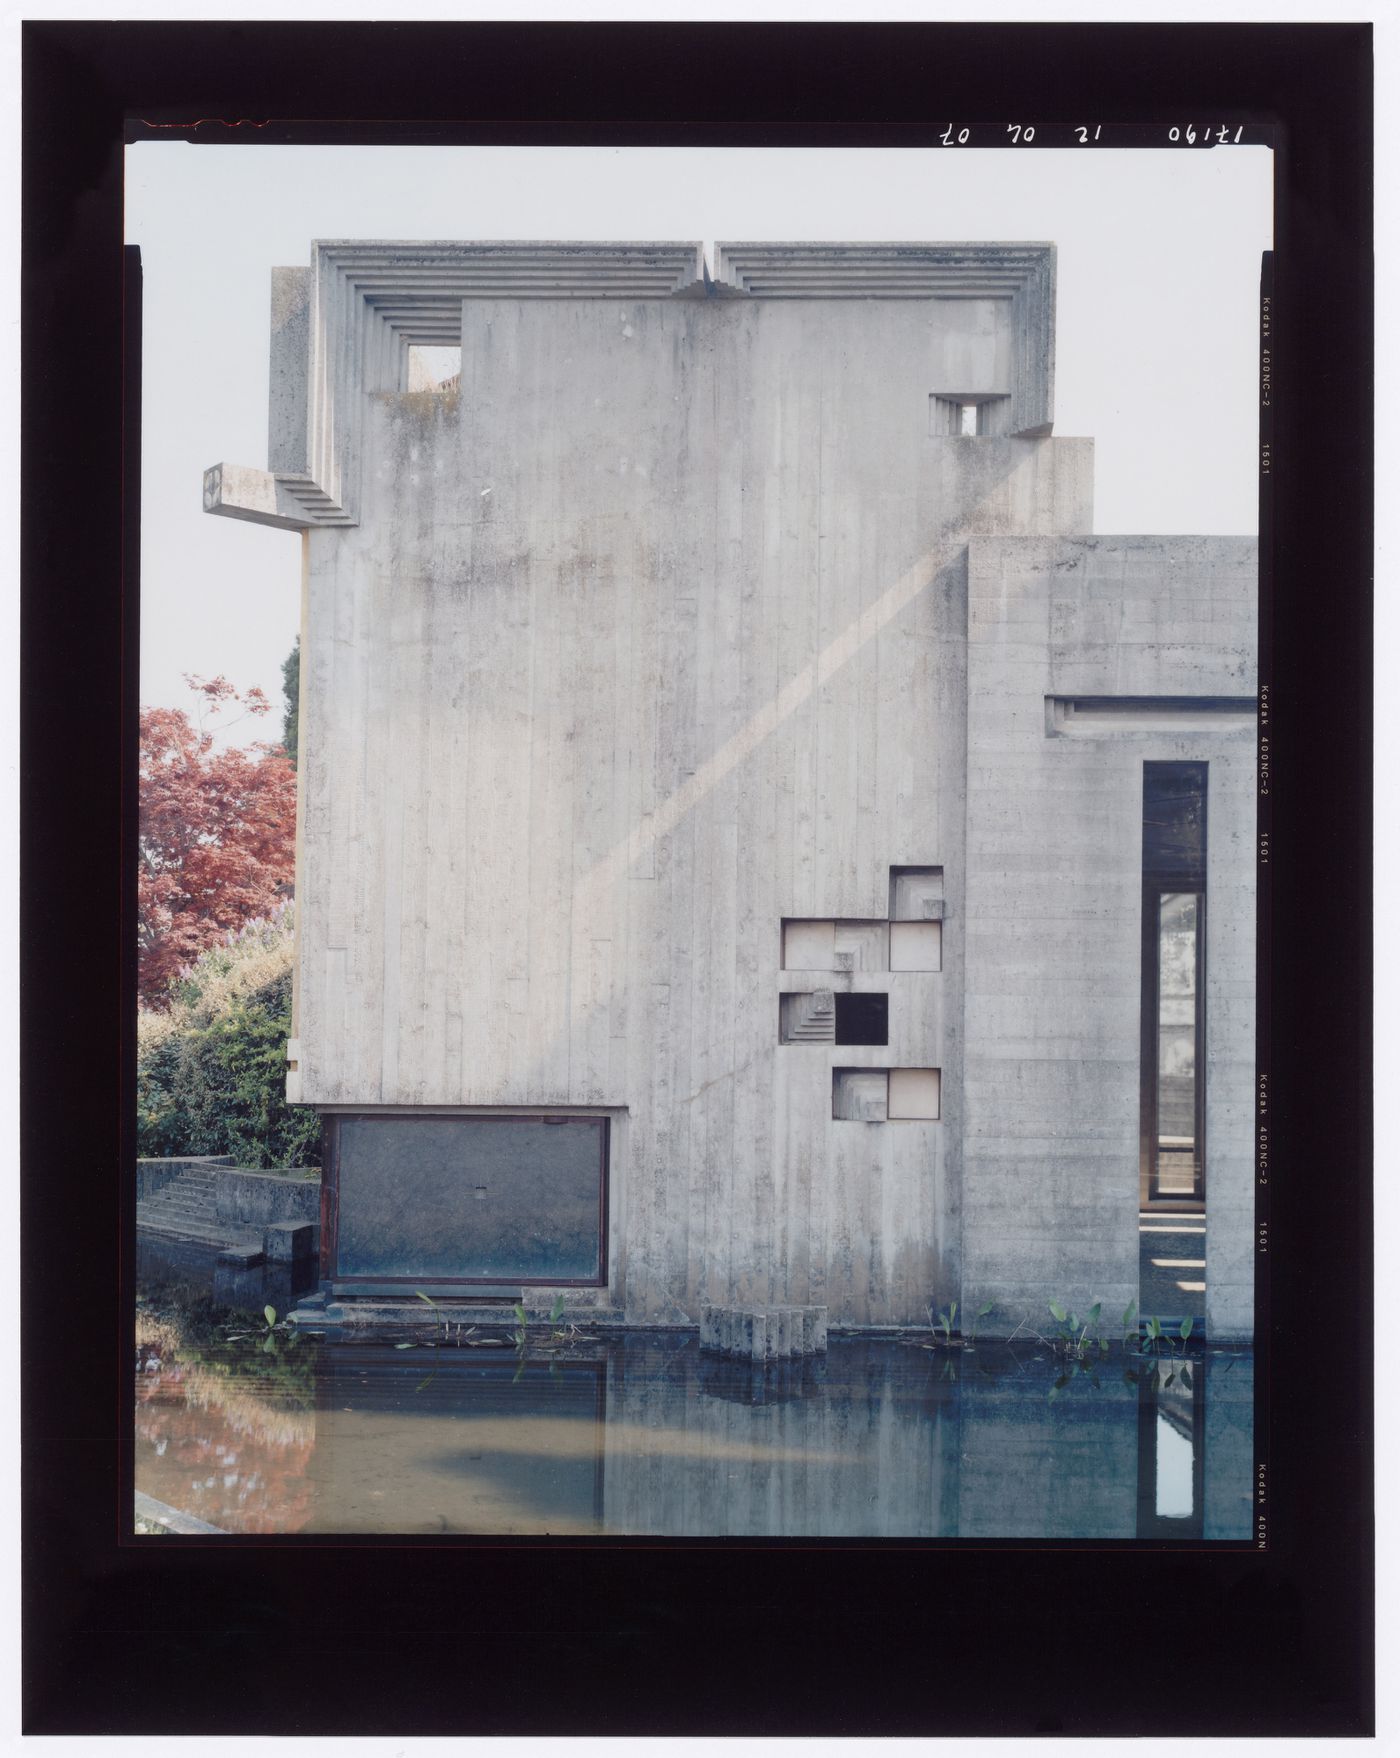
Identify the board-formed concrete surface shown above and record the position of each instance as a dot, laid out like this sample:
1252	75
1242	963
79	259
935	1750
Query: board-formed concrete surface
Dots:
689	612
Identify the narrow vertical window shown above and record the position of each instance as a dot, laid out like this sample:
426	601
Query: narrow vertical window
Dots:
1172	1149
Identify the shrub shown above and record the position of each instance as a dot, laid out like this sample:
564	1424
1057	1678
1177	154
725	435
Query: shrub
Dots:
211	1070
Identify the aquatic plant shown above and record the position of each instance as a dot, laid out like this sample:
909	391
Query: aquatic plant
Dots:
1154	1335
1072	1337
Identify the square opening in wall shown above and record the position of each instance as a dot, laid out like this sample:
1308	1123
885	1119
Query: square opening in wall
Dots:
916	894
859	1095
434	369
862	1019
914	1094
916	946
960	415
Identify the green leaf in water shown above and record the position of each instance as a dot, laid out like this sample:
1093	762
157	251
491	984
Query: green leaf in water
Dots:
1057	1312
1186	1327
405	1345
1094	1312
270	1314
982	1311
1130	1313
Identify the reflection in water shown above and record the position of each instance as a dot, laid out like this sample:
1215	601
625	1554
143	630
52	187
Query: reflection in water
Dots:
643	1435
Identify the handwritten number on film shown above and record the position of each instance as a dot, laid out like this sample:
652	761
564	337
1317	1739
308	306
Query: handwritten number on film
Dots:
1188	136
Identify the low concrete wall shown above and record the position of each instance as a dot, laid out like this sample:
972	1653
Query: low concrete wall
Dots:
154	1175
255	1199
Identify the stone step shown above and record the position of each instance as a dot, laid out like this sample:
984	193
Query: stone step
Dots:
198	1232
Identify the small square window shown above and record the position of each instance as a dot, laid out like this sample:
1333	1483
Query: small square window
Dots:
434	369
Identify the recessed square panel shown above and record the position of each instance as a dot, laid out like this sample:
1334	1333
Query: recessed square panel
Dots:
916	946
916	894
914	1093
862	946
807	1018
809	946
859	1095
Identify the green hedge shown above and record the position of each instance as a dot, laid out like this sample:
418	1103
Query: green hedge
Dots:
211	1072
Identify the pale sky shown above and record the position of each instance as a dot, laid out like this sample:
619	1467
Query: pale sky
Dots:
1156	349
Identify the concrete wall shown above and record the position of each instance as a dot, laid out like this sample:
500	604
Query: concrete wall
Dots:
650	638
1054	900
255	1199
684	614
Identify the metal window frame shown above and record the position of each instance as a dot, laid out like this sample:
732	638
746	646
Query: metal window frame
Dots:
1155	884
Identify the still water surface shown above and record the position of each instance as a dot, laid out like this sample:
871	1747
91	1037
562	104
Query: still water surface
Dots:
265	1433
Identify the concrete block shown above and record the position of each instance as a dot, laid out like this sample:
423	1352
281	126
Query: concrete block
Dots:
756	1338
286	1242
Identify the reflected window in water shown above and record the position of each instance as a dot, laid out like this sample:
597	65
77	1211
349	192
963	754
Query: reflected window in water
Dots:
1171	1449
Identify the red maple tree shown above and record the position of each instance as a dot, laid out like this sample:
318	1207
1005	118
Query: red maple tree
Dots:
217	834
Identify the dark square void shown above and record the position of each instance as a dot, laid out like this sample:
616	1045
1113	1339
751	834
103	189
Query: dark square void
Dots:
862	1019
480	1199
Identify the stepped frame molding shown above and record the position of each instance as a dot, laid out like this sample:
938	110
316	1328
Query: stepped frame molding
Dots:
342	330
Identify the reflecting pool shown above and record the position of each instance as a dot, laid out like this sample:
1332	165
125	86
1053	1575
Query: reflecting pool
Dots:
252	1430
